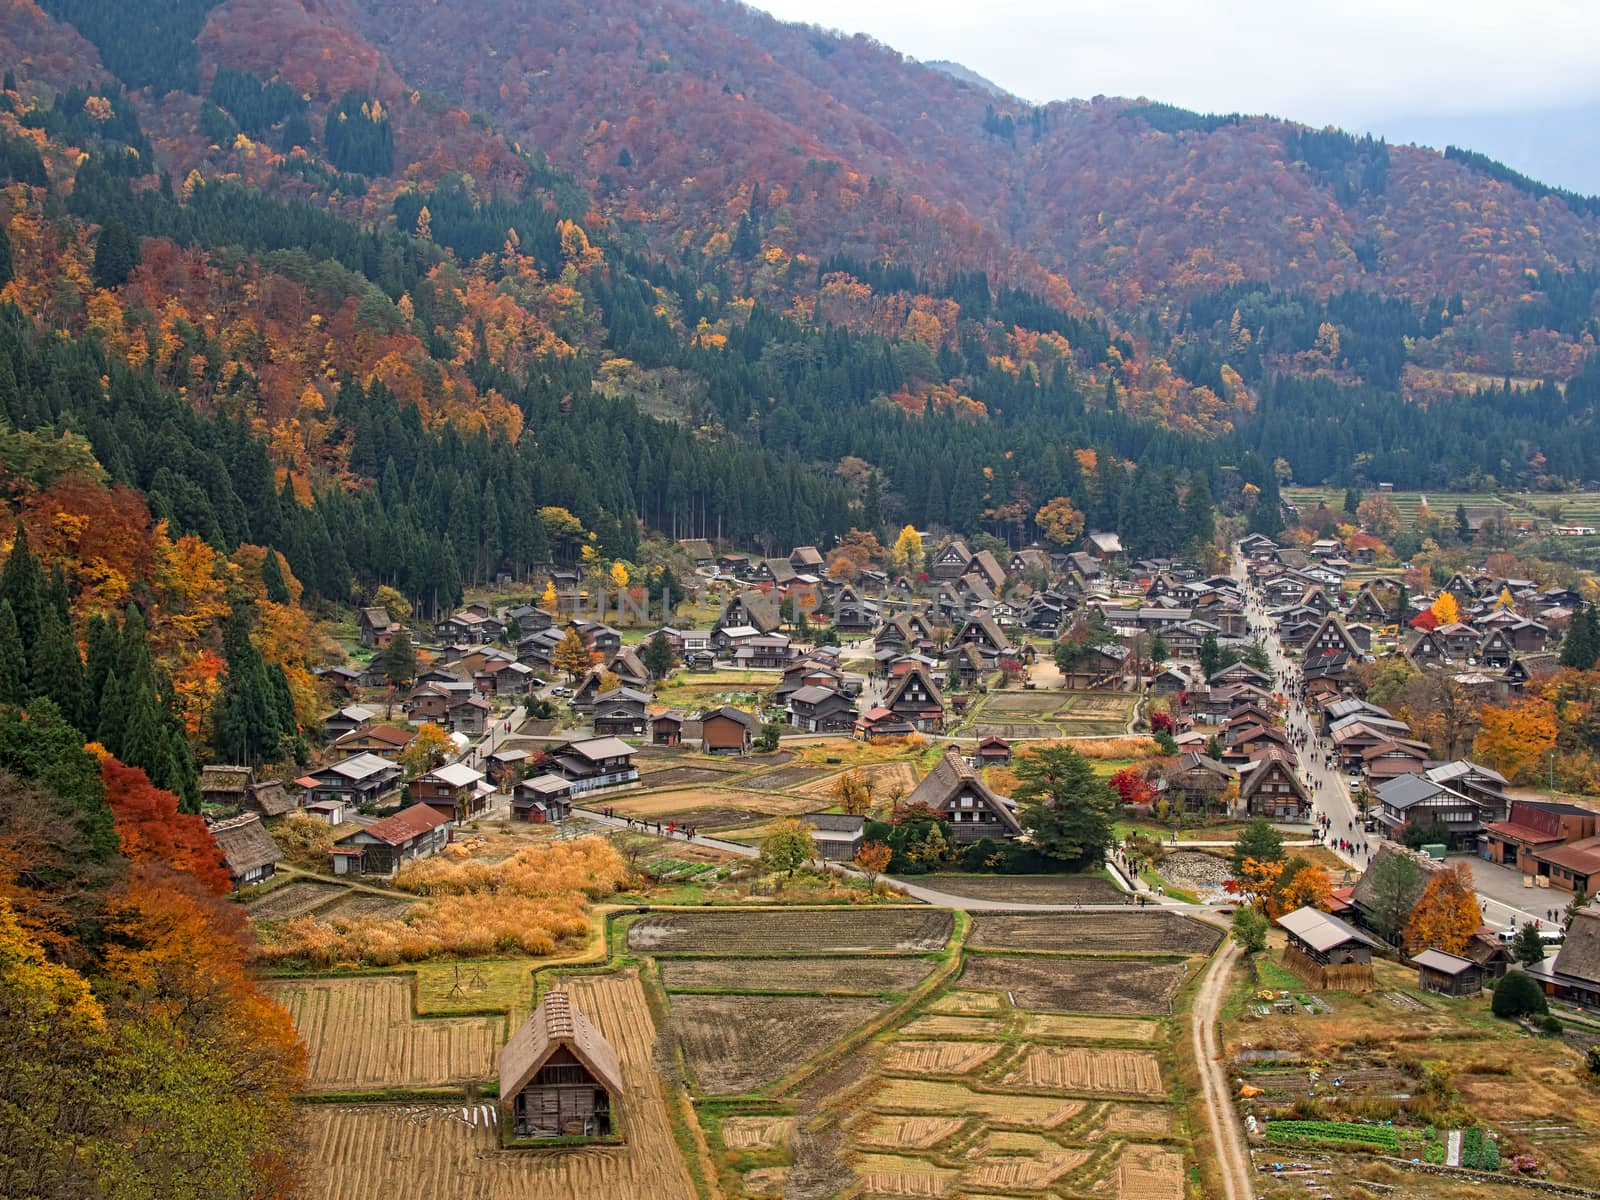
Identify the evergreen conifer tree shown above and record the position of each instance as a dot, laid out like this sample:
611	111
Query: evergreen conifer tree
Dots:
13	661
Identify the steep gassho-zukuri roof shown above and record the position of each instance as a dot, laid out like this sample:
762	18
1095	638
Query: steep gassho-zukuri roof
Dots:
555	1023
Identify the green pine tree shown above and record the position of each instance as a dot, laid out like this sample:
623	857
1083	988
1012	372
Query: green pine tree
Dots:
13	661
272	579
116	254
22	586
57	669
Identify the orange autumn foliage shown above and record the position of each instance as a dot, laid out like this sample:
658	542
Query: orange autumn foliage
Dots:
1515	738
1447	915
152	830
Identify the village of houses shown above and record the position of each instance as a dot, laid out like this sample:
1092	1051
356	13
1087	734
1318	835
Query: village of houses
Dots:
932	688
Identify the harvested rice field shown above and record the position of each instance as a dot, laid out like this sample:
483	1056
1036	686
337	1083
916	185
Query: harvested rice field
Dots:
1079	985
967	1003
937	1058
437	1152
1001	1108
757	1133
1028	889
360	1035
735	1044
1149	1173
937	1025
889	1175
831	976
1085	1069
909	1133
1113	933
795	931
1056	1027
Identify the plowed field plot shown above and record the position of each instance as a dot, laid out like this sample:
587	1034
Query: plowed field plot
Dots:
670	776
785	778
434	1153
291	900
1079	1069
757	1133
858	976
1002	1108
710	819
733	1044
1149	1173
355	904
1053	1026
1028	889
794	931
910	1133
1115	933
937	1058
1078	985
360	1034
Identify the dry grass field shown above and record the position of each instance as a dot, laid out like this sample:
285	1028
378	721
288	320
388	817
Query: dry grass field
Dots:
885	778
1112	933
451	1152
360	1034
829	976
796	931
1079	985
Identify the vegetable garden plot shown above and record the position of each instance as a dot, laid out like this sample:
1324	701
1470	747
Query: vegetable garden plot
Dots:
792	931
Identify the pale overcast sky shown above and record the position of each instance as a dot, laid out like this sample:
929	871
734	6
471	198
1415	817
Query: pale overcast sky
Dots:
1520	81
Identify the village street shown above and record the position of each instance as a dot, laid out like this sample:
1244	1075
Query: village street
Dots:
1330	793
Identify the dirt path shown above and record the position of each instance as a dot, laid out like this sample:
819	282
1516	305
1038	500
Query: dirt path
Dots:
1233	1160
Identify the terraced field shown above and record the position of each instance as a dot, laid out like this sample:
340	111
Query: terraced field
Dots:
360	1035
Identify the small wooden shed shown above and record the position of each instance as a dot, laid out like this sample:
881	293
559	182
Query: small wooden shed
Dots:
1327	952
1447	974
559	1078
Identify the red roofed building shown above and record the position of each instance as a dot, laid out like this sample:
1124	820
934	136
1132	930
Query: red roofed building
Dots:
384	846
1534	826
